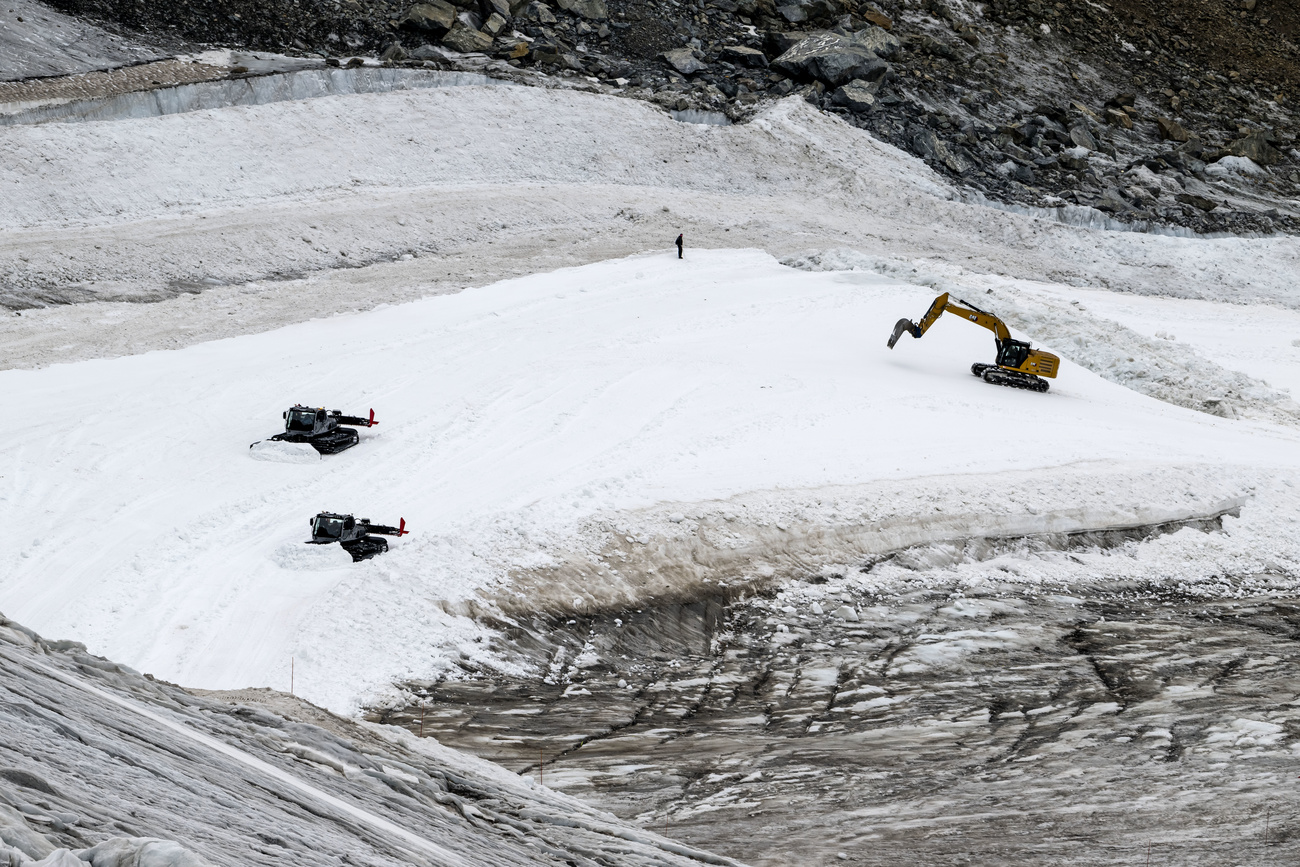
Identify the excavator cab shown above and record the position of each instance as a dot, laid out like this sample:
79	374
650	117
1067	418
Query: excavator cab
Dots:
1013	354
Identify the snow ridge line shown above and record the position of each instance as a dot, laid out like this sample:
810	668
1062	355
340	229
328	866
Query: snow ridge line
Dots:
443	855
706	553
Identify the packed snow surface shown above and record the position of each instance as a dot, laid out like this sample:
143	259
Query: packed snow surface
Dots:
511	416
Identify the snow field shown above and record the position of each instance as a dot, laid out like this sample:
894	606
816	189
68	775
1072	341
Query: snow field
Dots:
489	181
513	419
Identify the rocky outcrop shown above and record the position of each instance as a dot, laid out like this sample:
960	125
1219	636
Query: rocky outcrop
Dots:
684	61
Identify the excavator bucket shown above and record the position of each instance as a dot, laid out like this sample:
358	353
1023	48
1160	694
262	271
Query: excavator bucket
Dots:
903	325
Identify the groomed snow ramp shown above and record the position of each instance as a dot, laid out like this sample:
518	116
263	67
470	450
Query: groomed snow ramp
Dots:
102	765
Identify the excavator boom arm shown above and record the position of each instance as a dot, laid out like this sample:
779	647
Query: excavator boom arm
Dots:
970	312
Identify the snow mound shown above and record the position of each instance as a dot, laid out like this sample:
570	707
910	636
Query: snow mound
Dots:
283	453
302	557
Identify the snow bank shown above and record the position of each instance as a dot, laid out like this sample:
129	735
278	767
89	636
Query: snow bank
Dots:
515	418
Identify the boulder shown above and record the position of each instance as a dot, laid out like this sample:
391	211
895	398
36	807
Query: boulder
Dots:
393	53
465	39
1115	117
1075	159
1122	101
1085	111
832	59
878	42
428	52
857	95
743	55
1171	130
778	42
927	144
494	25
1111	203
876	17
793	14
541	12
593	9
500	7
684	61
1082	137
1196	201
436	15
551	56
1255	146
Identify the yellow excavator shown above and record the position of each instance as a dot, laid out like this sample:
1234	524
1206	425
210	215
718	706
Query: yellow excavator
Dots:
1016	366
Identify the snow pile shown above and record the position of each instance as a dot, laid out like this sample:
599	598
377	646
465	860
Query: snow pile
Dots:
516	418
283	453
1173	372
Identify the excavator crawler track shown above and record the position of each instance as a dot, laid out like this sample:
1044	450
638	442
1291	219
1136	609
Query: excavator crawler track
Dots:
995	375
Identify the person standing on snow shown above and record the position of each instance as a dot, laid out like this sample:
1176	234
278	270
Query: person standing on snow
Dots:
679	246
